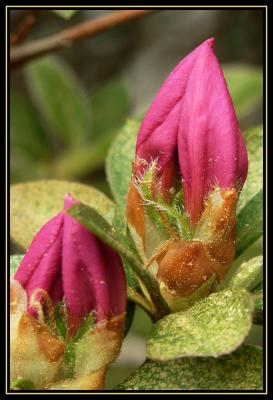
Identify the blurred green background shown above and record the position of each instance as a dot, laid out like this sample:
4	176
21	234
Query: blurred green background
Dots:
66	108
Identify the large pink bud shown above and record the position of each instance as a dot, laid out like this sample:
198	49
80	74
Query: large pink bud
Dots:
189	140
191	128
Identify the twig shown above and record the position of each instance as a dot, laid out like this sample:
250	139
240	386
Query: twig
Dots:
21	54
24	28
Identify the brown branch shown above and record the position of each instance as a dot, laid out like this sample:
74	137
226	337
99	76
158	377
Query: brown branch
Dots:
22	54
24	28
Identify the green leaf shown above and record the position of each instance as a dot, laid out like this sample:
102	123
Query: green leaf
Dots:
30	148
248	274
130	275
245	85
258	315
66	14
256	336
258	298
254	181
23	169
94	222
119	161
257	293
130	312
110	107
142	323
60	99
35	203
258	288
22	384
120	228
249	223
241	370
215	326
250	205
14	262
26	132
80	161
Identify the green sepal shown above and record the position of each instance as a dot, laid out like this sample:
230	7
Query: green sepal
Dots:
70	350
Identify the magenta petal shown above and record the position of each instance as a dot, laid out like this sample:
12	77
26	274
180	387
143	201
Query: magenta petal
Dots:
93	276
242	167
92	270
56	290
41	264
193	115
157	136
45	277
210	146
115	279
69	201
79	294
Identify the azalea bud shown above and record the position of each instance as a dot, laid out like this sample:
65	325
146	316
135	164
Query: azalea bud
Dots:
191	148
67	265
210	145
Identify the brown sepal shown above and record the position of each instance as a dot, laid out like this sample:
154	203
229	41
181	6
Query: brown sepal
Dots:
93	381
49	344
135	210
186	265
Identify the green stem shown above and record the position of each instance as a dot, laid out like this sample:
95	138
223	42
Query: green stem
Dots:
144	303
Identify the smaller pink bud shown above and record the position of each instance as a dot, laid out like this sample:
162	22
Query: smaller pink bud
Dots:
66	261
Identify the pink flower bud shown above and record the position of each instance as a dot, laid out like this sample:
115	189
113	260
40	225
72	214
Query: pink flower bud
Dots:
189	140
191	128
66	261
